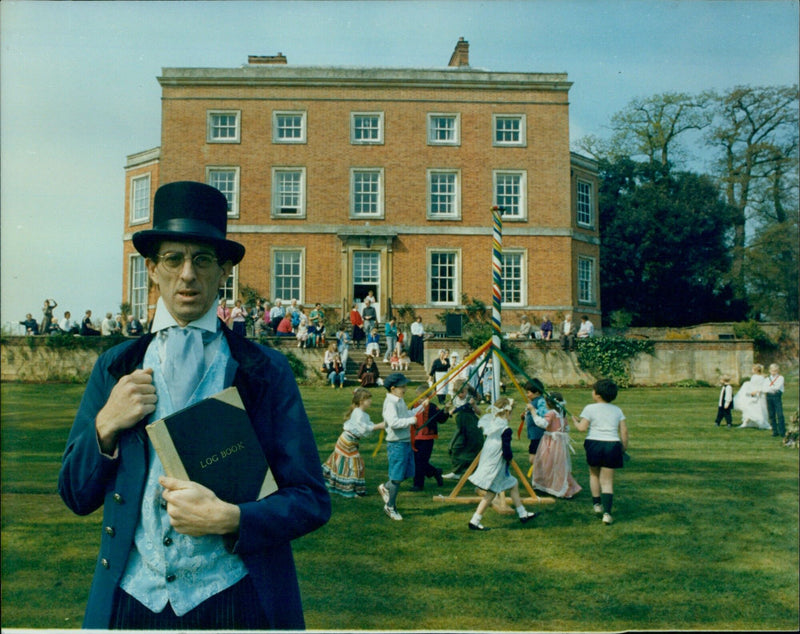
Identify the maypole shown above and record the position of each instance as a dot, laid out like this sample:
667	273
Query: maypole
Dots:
497	296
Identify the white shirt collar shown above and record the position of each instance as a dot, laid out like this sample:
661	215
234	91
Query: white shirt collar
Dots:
163	319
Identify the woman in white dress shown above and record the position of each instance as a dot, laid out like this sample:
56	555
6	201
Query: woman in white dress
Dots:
751	401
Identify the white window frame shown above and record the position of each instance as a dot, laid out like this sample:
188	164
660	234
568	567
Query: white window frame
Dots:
521	142
521	213
138	286
586	287
378	213
230	289
299	296
276	128
277	192
233	196
456	278
584	210
353	128
431	129
455	214
139	203
210	127
523	278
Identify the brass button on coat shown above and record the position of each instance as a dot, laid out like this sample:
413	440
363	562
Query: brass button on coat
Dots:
118	498
110	531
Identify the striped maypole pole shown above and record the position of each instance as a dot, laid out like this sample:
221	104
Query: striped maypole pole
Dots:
497	296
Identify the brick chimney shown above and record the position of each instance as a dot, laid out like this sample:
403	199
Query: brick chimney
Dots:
460	56
280	58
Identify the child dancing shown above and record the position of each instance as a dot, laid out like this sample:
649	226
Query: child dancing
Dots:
552	469
605	444
344	468
492	474
399	419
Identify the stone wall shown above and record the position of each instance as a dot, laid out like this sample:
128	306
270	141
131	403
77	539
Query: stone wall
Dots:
30	359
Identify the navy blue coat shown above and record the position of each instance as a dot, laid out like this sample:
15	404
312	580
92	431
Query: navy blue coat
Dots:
89	480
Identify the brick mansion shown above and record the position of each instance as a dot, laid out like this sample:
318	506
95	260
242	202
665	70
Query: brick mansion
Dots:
343	180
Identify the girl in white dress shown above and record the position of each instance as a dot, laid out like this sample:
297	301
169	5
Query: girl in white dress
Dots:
492	474
751	401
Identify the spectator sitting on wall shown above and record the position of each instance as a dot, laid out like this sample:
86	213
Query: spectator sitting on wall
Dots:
68	325
109	326
87	327
135	328
586	330
31	325
524	331
547	328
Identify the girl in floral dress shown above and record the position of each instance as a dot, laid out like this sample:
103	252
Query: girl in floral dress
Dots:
344	468
552	470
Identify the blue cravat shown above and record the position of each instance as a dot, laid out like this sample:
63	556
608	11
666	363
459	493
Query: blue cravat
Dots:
184	364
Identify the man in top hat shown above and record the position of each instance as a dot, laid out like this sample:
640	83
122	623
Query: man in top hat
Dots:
172	554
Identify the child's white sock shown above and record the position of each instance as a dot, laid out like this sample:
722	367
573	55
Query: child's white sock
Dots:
476	519
522	511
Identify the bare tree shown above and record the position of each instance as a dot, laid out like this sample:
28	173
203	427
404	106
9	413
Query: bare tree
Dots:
650	127
755	135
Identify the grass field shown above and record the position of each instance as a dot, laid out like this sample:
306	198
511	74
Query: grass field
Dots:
705	537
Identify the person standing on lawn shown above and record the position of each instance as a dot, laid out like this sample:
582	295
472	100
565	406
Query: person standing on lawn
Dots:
605	444
534	416
773	389
172	554
426	431
725	402
492	474
399	421
344	468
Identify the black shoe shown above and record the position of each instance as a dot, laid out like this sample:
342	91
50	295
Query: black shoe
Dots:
478	527
528	517
417	489
439	478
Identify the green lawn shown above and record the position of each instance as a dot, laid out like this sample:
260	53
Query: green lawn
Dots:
705	537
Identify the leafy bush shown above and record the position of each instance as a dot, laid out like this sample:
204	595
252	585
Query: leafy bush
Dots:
753	330
478	329
609	357
298	367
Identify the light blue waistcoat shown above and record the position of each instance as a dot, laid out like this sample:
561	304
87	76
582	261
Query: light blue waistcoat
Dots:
164	565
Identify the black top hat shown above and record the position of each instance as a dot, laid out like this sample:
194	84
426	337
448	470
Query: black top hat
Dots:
186	211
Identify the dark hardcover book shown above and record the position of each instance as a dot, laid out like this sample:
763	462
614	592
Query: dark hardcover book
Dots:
212	442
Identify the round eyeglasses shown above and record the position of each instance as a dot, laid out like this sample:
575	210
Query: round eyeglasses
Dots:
174	261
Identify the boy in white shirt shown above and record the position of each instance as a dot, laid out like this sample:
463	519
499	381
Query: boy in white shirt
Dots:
605	444
725	403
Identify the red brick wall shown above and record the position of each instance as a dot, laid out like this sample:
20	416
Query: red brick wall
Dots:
405	157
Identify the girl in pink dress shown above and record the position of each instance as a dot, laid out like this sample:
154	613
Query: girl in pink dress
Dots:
552	470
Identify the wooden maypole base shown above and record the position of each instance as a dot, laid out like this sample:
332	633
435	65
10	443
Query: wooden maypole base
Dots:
501	503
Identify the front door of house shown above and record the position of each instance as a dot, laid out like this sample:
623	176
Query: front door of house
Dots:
367	276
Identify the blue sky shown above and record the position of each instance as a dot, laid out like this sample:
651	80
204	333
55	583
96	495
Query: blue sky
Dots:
78	91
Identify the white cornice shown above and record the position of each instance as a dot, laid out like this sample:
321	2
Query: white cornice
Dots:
397	230
318	76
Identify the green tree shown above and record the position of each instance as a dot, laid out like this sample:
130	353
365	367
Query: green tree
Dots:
771	262
665	246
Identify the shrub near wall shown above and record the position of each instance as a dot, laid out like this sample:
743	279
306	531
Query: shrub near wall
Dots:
611	357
